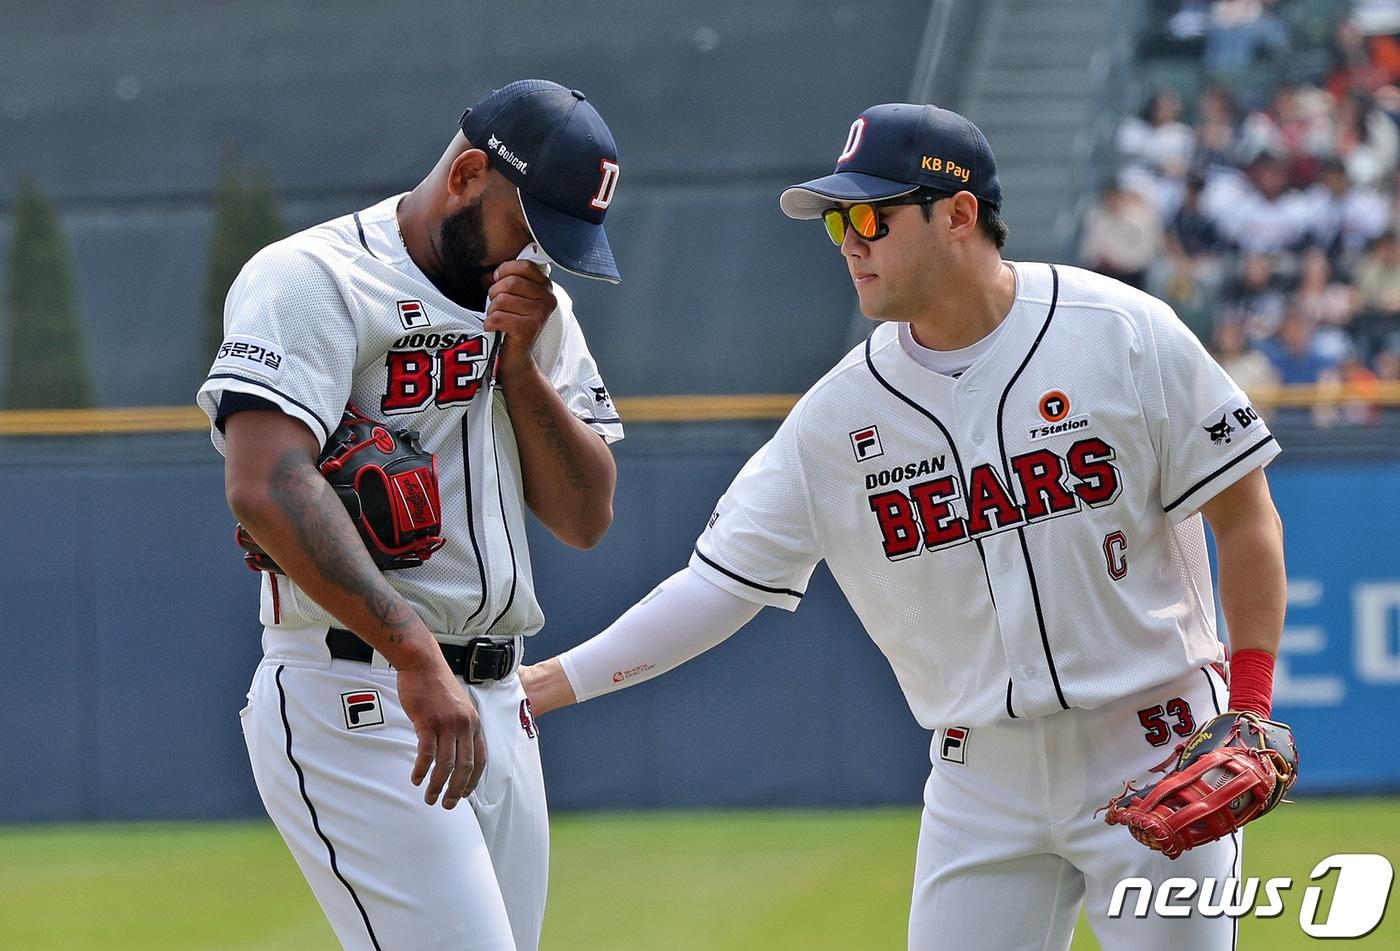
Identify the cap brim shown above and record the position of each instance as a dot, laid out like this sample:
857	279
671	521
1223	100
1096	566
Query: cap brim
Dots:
579	247
810	199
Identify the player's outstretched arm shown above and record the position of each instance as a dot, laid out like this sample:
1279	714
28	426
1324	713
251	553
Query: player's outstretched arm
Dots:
276	491
568	469
681	618
1253	585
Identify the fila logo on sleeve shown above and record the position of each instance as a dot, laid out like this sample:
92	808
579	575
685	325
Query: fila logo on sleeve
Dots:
362	709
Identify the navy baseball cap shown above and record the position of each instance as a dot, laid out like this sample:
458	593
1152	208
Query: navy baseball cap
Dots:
896	148
551	144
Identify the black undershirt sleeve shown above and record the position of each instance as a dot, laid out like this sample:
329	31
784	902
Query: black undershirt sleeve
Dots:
232	402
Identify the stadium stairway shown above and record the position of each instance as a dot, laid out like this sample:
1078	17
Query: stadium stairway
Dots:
1039	85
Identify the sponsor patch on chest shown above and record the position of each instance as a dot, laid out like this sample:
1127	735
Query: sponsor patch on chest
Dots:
1054	419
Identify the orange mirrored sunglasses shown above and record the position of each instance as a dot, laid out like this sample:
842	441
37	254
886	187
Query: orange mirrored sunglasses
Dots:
864	218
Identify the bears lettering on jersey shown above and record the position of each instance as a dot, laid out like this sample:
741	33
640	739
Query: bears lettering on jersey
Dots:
927	515
451	376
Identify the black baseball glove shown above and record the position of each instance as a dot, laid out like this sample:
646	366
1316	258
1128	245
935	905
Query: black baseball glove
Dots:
389	486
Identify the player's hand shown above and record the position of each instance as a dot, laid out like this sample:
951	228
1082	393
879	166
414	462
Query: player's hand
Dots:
449	732
547	686
519	301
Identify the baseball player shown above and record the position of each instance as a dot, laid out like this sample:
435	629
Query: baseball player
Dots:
1007	480
433	312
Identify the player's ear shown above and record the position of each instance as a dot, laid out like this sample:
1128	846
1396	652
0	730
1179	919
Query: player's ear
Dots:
468	175
962	215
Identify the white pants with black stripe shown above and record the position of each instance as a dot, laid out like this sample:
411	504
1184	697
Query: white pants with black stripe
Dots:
1010	848
332	749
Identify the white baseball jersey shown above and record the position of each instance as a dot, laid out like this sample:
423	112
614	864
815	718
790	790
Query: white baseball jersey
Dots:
340	314
1021	539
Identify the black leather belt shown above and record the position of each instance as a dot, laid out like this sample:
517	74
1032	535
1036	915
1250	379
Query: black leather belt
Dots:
479	660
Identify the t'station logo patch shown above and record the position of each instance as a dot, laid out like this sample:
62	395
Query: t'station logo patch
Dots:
362	709
1054	406
866	443
953	746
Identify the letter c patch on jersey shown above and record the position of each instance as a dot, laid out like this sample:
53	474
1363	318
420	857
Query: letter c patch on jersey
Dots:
362	709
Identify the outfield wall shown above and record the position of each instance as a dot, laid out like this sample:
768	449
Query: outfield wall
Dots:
128	627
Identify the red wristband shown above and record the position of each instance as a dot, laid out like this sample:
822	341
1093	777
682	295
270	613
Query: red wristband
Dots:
1252	681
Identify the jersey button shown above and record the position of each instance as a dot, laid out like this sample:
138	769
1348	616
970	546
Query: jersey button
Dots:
977	439
1028	673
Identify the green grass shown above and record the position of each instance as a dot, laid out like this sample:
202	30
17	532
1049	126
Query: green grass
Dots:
700	881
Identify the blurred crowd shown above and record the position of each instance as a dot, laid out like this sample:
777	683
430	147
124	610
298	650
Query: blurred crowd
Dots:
1266	213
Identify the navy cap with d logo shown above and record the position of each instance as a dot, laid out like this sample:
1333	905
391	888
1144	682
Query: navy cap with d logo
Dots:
895	148
551	144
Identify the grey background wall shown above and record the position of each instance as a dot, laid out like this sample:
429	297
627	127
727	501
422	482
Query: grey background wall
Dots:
130	628
122	112
129	633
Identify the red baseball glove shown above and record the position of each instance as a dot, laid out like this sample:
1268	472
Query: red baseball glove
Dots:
389	486
1233	770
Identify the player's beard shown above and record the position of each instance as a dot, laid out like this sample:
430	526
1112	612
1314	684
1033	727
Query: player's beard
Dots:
466	272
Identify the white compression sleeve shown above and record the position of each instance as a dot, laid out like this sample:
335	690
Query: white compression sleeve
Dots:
681	618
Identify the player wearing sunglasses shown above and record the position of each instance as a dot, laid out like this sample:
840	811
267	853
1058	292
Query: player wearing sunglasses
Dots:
1041	588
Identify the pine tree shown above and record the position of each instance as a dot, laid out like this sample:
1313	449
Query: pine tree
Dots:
245	222
48	362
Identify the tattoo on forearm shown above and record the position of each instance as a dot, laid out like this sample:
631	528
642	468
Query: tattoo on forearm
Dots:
309	504
563	453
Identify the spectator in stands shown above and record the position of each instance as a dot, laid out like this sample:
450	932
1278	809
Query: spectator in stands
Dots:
1359	382
1329	304
1156	149
1388	366
1255	297
1377	280
1343	218
1295	354
1252	370
1240	32
1191	232
1256	211
1189	286
1360	65
1297	127
1217	143
1366	141
1122	236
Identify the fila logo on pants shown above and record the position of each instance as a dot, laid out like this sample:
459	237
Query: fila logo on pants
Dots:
362	709
953	746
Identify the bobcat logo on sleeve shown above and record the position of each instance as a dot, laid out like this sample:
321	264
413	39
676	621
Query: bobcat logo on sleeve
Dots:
601	400
1220	430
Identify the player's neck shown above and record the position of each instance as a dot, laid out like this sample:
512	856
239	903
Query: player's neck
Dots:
414	219
418	224
968	309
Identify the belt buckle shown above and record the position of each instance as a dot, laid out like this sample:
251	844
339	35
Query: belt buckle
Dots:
488	660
